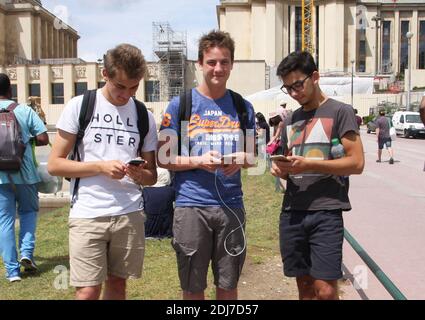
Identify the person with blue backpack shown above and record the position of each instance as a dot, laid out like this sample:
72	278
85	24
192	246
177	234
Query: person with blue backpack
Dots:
207	136
19	126
112	138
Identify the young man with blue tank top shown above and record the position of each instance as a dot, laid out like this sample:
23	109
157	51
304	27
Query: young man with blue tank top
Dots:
18	190
209	218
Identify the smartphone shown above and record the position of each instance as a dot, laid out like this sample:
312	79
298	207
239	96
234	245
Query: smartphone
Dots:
228	159
136	162
279	157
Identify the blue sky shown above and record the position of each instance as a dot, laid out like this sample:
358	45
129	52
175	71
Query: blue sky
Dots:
102	24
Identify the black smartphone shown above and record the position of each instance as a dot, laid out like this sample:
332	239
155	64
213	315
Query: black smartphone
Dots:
136	162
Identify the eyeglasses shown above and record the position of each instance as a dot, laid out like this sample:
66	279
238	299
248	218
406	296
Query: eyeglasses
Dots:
297	86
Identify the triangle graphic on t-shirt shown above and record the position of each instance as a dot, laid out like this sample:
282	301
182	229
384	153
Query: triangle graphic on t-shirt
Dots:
319	131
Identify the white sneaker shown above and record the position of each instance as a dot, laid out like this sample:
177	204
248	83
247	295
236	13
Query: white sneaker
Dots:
14	279
28	264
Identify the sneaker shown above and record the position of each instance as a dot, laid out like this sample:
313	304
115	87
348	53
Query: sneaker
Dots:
391	161
28	264
14	279
378	160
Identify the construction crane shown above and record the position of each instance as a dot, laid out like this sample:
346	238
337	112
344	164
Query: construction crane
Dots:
307	26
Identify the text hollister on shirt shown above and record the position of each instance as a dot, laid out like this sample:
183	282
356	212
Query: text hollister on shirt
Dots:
107	126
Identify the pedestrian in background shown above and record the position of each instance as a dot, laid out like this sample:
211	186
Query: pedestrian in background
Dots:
18	190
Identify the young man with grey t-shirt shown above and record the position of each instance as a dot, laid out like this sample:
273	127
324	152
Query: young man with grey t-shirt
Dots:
311	224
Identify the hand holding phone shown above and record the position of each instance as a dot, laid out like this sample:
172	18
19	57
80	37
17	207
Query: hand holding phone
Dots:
279	157
228	159
136	162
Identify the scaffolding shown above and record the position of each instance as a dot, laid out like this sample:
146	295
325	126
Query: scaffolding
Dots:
171	49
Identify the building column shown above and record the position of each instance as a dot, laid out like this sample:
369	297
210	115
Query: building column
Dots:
37	38
292	33
56	43
396	42
61	44
22	83
70	47
44	39
74	49
45	85
415	39
51	42
270	32
68	82
92	76
285	36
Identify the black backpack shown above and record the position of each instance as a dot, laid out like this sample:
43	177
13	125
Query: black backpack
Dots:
12	147
185	112
85	117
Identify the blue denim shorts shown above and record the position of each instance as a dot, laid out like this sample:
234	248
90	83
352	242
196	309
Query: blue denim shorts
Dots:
384	142
311	243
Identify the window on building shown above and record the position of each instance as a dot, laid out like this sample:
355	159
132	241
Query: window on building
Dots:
14	88
404	46
386	63
361	53
152	91
298	28
57	93
422	44
34	90
80	88
100	84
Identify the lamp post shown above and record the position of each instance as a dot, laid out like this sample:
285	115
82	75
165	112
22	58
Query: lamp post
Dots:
352	82
409	36
377	19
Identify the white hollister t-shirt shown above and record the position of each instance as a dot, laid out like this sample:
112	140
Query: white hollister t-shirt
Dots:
111	135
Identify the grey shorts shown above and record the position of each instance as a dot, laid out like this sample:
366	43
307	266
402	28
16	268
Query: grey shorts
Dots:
204	234
311	243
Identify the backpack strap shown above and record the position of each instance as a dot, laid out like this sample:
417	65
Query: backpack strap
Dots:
240	106
12	107
86	113
185	112
142	123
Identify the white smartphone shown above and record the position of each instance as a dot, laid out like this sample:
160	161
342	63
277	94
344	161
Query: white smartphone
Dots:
228	159
279	157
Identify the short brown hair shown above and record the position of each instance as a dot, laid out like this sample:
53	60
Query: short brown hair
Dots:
125	57
214	39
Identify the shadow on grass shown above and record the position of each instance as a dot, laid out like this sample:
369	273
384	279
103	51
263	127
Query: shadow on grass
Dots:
47	265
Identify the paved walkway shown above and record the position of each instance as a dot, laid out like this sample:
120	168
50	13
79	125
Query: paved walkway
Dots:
388	220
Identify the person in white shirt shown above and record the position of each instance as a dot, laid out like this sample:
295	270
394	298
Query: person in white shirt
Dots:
106	224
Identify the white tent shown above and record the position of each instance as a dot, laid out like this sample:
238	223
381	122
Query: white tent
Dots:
331	86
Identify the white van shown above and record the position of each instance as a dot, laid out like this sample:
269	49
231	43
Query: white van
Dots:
408	124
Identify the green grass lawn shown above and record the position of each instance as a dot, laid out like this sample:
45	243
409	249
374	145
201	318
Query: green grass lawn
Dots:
160	280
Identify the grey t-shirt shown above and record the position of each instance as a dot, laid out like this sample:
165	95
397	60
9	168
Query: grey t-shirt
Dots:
384	127
309	134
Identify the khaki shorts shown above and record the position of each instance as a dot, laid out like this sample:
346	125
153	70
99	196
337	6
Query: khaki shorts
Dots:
204	234
106	246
